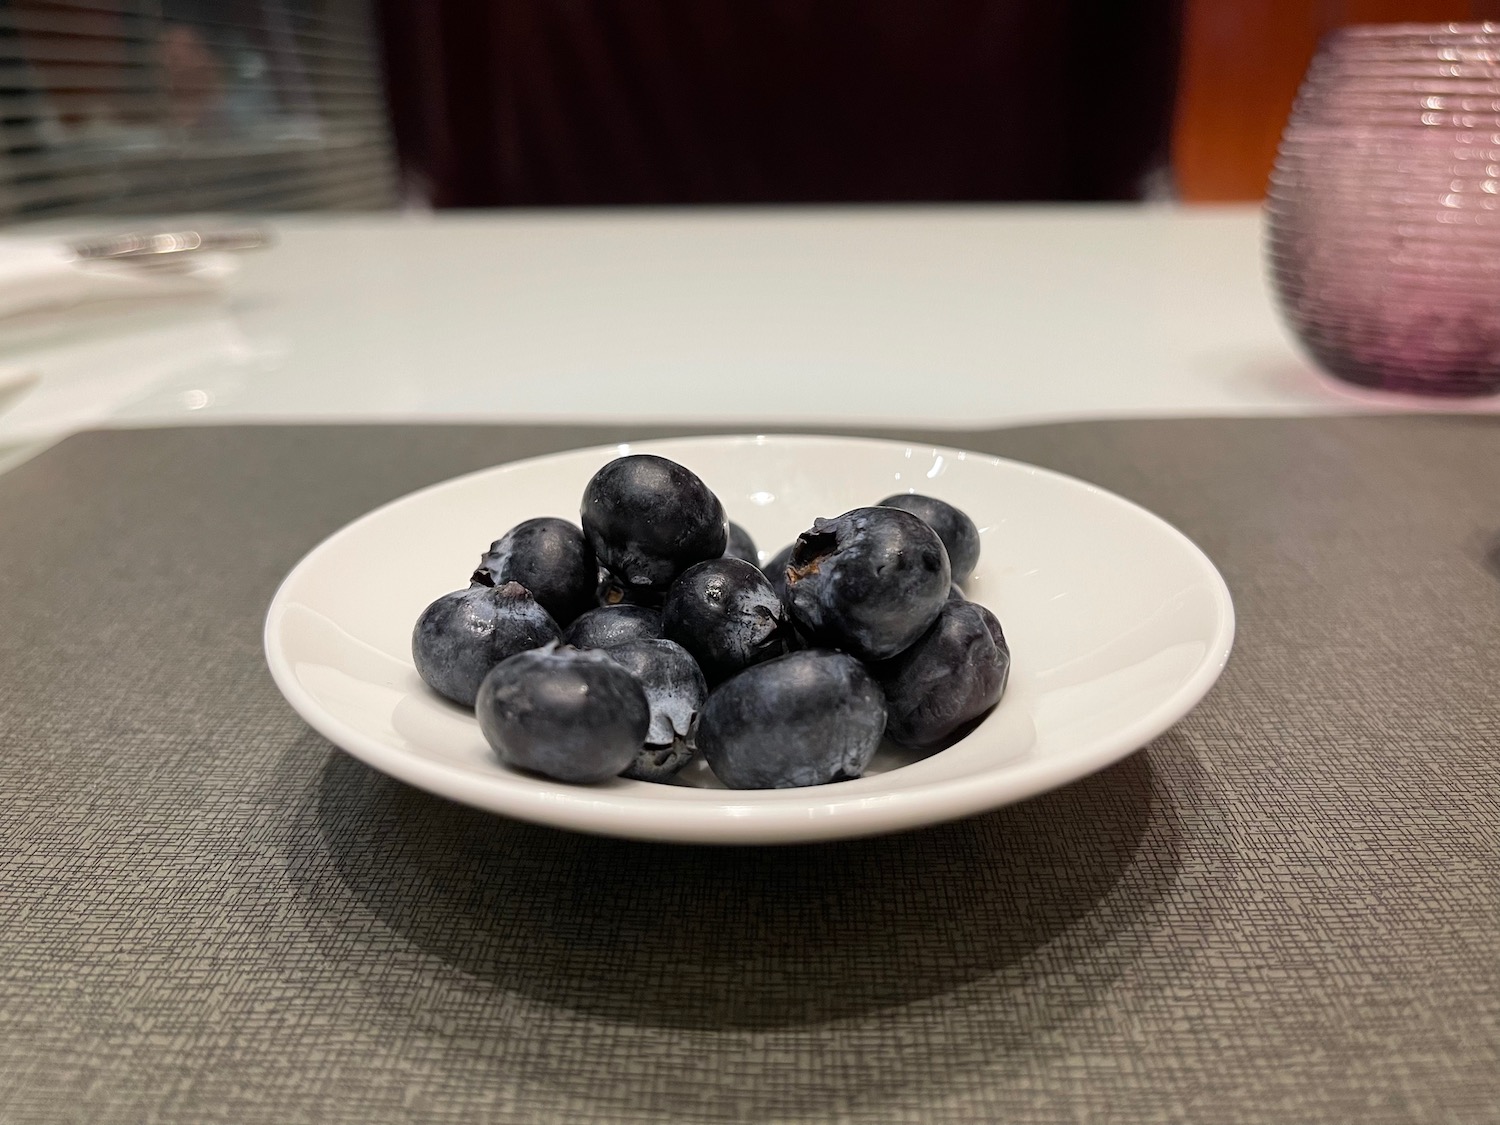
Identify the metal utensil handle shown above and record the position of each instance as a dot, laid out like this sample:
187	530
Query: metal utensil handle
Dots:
154	244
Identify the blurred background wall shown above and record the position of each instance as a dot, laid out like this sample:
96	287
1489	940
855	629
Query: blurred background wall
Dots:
156	106
724	101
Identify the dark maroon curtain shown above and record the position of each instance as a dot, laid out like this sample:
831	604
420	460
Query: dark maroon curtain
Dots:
541	102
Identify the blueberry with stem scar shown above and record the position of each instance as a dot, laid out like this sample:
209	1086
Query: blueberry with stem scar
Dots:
727	615
551	558
648	519
615	591
675	691
869	582
775	570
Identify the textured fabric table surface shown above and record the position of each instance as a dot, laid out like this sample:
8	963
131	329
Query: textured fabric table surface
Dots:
1286	909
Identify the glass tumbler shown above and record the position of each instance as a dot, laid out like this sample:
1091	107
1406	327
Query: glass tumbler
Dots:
1383	217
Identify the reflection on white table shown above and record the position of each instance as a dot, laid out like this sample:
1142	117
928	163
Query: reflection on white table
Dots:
798	318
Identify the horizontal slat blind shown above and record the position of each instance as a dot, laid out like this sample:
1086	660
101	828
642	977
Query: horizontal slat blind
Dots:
156	106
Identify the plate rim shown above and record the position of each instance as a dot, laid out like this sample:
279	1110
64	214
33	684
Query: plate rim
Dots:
764	819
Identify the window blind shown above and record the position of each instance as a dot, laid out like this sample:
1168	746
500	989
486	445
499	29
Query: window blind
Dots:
159	106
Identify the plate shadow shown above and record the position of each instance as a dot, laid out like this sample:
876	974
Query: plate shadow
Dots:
750	937
521	930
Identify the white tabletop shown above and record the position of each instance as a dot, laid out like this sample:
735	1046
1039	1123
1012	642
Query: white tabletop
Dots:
934	316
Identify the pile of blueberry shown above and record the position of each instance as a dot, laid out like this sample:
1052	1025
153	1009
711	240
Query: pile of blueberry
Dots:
627	647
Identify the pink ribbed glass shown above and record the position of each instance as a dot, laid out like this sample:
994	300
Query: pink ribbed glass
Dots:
1384	209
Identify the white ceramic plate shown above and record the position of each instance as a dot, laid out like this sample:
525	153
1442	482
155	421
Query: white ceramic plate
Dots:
1117	623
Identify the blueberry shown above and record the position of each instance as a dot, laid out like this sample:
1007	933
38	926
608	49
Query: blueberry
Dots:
551	558
675	692
569	714
614	591
949	678
613	625
462	635
727	615
775	570
870	581
803	719
740	545
956	594
649	519
957	531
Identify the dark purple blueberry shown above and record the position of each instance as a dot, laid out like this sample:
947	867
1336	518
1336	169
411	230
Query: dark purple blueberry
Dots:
649	519
949	678
727	615
613	591
675	692
956	594
551	558
563	712
869	582
462	635
775	570
957	531
740	545
803	719
613	625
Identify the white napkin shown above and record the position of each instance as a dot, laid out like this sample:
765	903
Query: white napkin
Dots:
37	275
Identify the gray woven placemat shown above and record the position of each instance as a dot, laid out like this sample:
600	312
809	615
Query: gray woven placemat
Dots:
1287	909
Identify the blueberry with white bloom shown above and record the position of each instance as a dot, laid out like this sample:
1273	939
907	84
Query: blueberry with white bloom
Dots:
567	713
727	615
675	691
612	625
803	719
462	635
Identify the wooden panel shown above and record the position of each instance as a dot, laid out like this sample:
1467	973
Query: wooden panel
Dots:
1241	63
